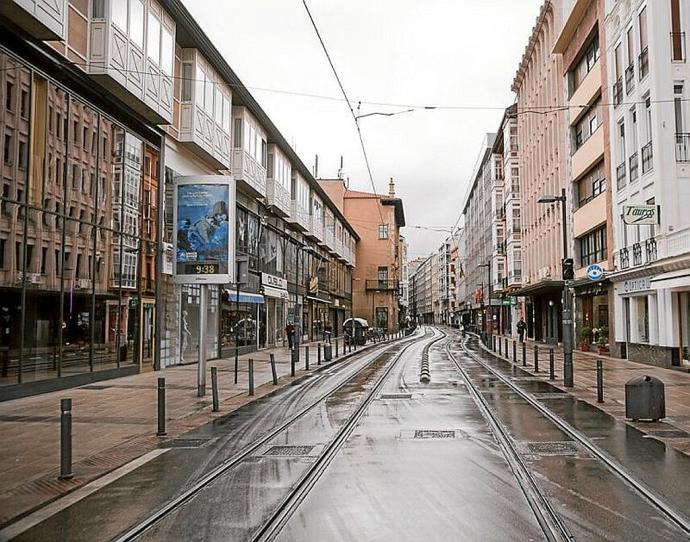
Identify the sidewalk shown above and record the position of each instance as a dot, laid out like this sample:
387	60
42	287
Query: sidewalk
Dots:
115	422
674	430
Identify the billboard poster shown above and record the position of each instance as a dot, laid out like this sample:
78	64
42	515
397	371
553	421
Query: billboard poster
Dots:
204	229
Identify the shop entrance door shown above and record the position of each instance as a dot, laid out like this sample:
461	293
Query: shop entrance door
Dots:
270	322
684	320
148	333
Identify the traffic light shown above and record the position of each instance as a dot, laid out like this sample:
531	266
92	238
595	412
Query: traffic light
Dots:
568	269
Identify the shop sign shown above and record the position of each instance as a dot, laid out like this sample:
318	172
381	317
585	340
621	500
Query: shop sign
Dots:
168	258
637	285
508	301
595	272
273	281
641	215
204	210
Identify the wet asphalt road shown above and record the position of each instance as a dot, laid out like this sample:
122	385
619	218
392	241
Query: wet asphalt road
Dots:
422	464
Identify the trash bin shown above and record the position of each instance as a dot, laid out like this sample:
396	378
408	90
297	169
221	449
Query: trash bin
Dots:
327	352
644	398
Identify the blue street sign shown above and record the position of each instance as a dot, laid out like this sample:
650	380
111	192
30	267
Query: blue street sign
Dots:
595	272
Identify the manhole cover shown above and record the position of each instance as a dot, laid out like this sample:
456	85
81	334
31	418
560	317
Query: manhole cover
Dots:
668	434
552	448
185	443
396	396
429	434
290	451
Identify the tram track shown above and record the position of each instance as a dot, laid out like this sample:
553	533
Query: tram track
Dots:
677	517
139	529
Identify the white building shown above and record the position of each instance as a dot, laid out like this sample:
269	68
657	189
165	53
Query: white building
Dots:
646	56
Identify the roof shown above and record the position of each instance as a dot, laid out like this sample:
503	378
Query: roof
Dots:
524	63
385	200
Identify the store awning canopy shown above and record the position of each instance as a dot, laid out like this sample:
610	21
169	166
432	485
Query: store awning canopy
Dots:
275	292
245	297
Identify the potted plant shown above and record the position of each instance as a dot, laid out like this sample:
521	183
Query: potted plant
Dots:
602	340
585	338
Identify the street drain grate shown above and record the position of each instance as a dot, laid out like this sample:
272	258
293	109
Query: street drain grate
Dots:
431	434
185	443
670	433
396	396
289	451
553	448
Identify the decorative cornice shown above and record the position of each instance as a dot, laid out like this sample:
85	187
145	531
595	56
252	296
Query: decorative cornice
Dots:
546	8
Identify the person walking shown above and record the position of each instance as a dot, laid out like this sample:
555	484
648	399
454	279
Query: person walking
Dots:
290	331
521	326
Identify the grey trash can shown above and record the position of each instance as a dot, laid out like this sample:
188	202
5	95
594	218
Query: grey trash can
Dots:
327	352
644	398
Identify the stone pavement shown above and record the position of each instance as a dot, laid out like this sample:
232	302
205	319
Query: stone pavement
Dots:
674	430
115	422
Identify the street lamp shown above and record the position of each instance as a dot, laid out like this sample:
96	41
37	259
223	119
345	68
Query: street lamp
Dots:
567	306
490	319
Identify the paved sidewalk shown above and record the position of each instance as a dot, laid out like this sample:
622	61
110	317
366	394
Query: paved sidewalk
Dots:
115	422
674	430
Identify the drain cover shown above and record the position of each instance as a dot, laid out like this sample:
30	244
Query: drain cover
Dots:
185	443
289	451
396	396
429	434
567	447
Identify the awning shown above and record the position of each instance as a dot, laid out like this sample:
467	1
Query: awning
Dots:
539	288
326	301
245	297
672	280
275	292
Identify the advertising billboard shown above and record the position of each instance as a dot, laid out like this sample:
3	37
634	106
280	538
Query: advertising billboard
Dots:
204	236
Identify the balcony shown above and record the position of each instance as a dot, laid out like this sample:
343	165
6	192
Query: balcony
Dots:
634	167
624	257
683	148
618	92
299	216
643	62
329	238
315	231
43	19
382	285
650	250
277	197
621	179
637	254
647	157
678	46
249	173
630	78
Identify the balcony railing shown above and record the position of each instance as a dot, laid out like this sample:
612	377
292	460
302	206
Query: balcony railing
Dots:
383	285
650	250
618	92
633	161
630	78
643	62
621	176
637	254
624	256
647	156
678	46
682	147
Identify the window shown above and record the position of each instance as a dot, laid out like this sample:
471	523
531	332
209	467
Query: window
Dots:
593	247
382	317
237	136
642	318
119	14
9	96
383	275
7	150
153	40
167	52
383	231
136	22
2	253
98	9
226	113
58	123
677	36
642	21
678	106
585	64
631	47
648	119
587	125
187	79
24	104
218	110
208	98
592	184
44	258
23	155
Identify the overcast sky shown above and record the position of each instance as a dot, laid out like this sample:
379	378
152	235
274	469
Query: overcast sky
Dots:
420	52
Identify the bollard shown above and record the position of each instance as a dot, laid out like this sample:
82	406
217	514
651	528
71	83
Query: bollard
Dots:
524	355
493	343
536	358
506	347
514	352
237	362
161	407
214	387
552	375
349	347
500	347
294	356
600	381
273	369
318	354
336	347
306	358
251	376
65	439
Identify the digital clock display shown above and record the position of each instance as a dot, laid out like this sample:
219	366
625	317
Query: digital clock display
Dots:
201	269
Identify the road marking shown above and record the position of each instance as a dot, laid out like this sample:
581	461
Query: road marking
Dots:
62	503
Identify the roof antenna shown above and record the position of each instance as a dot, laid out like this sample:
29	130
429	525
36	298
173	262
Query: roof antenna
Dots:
316	166
340	171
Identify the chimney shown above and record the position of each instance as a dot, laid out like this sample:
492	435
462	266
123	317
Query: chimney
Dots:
391	188
316	166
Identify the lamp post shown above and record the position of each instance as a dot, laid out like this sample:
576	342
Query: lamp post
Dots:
490	318
567	272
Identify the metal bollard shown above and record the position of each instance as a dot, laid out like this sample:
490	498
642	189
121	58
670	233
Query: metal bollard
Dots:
65	439
274	373
524	354
500	347
536	358
552	375
161	407
514	352
214	387
306	358
600	381
251	376
237	362
336	347
493	343
349	347
506	346
318	354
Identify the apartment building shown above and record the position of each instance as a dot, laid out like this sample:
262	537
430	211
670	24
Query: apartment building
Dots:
588	159
441	280
650	162
378	220
103	110
539	89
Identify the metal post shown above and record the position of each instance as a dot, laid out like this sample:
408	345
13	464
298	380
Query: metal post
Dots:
273	369
306	358
536	358
524	354
514	352
237	331
201	367
552	375
161	407
500	346
600	381
293	360
318	354
251	376
336	347
567	307
65	439
493	343
506	346
214	388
